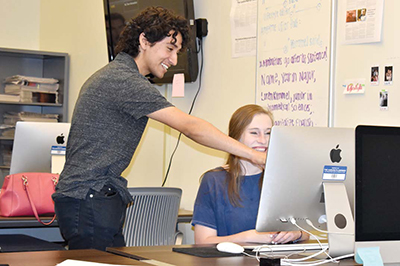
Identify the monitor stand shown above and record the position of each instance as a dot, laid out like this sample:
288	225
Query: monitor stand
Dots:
340	222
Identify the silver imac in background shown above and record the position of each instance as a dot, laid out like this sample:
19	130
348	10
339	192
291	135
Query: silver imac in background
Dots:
377	209
32	145
309	174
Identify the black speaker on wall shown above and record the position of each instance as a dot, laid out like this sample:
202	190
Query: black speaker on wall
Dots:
119	12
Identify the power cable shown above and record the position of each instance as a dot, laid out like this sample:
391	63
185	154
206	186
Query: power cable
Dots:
200	42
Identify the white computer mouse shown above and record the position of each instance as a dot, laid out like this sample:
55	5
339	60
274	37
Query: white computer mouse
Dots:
230	247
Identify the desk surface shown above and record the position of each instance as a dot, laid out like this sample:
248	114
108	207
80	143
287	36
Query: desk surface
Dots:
166	255
52	258
184	216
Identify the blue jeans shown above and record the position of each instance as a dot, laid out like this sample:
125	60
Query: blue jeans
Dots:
93	223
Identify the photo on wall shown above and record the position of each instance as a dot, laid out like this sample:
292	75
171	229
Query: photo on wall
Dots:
388	75
375	75
383	99
361	14
351	16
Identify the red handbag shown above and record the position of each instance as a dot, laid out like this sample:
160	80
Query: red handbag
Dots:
28	194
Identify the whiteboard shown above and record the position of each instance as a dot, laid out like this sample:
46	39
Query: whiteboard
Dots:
355	62
293	60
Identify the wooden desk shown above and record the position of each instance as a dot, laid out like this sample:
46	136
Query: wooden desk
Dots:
185	216
52	258
166	255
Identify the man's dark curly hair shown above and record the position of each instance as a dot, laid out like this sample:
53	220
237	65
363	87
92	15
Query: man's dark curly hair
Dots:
156	24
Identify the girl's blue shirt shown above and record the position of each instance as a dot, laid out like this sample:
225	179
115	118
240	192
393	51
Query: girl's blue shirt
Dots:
213	209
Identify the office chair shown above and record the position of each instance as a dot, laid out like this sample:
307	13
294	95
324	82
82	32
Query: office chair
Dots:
151	217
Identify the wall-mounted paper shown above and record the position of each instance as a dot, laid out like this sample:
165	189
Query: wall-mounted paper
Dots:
384	99
375	75
178	85
388	75
363	21
354	86
243	19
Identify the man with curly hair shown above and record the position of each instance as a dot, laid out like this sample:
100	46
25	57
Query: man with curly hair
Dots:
109	119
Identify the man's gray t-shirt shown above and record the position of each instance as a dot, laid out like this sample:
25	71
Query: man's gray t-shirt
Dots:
108	122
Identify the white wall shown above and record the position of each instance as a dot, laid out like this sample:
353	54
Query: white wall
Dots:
226	85
19	24
76	27
355	62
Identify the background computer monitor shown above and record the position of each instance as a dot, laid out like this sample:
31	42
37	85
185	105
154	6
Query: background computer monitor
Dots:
32	145
119	12
298	159
377	209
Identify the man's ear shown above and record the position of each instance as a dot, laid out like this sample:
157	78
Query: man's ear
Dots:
143	42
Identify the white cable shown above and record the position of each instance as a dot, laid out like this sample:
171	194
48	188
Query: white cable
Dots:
260	254
301	262
251	256
309	257
294	262
310	223
283	262
264	253
293	221
272	256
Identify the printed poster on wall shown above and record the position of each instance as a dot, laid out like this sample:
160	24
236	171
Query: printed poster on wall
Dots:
363	21
243	19
293	57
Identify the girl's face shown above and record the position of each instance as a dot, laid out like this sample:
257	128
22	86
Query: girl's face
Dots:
256	134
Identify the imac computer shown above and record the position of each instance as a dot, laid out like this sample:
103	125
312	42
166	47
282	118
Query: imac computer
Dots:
377	191
309	174
33	142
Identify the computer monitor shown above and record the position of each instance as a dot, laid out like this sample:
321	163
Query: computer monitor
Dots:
119	12
32	145
300	162
377	199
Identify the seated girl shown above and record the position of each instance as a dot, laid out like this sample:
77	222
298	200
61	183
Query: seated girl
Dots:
227	201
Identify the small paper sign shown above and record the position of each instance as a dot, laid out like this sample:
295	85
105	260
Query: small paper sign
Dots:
334	173
178	85
58	150
355	86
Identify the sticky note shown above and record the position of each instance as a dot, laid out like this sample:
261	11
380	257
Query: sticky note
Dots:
178	85
369	256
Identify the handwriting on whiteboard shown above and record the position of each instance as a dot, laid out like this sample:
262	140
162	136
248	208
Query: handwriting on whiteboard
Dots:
293	58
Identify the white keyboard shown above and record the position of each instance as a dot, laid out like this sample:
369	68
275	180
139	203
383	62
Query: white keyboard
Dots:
287	247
